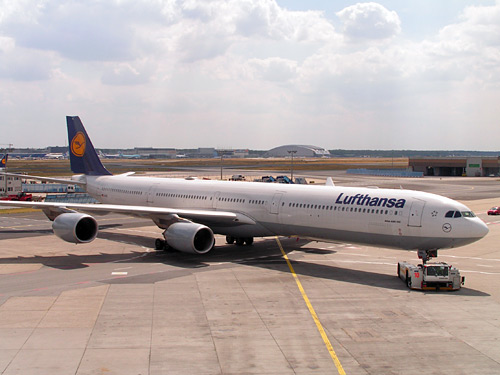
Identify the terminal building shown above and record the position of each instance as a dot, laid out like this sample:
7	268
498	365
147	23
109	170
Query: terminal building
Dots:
470	167
299	151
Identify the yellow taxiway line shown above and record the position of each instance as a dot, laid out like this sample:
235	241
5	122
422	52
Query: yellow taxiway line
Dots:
329	346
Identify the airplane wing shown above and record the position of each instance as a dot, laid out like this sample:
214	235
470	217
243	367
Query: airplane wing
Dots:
160	215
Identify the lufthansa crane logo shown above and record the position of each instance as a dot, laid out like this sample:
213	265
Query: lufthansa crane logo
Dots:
78	144
447	227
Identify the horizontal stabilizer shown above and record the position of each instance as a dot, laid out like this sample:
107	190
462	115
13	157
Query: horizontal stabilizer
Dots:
47	179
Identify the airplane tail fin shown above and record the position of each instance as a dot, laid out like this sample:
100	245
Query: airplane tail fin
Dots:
3	161
82	155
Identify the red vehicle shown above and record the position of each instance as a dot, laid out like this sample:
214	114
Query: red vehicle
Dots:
494	211
18	197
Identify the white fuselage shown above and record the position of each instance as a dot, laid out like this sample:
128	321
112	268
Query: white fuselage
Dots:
397	218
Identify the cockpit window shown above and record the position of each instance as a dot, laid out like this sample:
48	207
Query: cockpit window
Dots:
460	214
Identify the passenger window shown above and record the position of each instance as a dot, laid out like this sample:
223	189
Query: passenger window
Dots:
449	214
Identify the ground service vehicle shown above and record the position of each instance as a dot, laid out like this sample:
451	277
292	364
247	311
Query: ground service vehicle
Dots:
430	276
494	211
18	197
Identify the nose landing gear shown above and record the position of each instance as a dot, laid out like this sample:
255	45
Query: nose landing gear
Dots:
426	255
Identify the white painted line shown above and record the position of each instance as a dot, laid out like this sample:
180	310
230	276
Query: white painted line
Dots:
119	273
480	272
475	258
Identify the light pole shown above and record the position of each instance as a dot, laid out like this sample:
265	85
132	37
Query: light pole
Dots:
221	154
291	152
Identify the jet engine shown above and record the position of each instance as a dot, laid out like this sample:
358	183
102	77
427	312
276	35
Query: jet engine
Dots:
75	227
190	237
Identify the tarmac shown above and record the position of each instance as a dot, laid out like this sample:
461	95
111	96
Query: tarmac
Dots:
116	306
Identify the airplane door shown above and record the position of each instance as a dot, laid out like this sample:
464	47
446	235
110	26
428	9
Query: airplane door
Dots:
151	193
215	199
415	217
275	203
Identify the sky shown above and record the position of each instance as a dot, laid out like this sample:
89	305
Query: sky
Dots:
257	74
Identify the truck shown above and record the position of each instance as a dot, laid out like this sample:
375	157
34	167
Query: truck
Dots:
22	196
430	276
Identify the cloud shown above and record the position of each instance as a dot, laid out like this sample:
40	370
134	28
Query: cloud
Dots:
125	74
20	64
274	69
192	67
467	50
368	21
203	44
211	29
81	30
264	18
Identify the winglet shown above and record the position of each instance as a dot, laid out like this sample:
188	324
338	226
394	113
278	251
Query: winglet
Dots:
82	155
329	182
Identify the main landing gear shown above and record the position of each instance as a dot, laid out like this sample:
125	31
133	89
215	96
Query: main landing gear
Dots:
161	244
240	241
426	255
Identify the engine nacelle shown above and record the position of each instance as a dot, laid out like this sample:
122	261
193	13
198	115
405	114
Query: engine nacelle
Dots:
75	227
190	237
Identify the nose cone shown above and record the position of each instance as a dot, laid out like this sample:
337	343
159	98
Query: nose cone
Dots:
480	229
474	231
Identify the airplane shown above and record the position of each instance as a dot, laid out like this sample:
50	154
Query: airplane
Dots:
120	155
191	211
129	156
55	155
108	156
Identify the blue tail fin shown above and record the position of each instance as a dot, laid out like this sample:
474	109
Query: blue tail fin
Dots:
3	161
82	154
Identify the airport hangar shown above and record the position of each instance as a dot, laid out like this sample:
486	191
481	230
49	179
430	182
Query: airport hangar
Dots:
456	166
300	151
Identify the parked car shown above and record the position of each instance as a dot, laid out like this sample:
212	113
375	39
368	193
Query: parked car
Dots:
268	179
494	211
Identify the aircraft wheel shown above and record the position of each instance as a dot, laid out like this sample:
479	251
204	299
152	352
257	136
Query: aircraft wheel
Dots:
160	244
249	241
229	240
240	241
